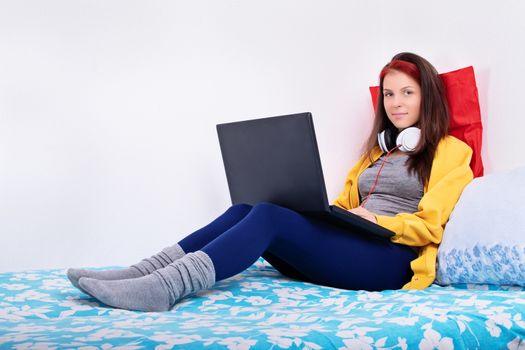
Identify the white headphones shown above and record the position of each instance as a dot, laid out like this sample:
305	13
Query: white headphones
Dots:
406	140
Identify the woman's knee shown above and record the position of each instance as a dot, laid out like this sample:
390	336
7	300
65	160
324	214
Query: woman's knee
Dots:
239	209
267	206
268	209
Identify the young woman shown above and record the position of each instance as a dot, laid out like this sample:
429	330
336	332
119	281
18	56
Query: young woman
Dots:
421	180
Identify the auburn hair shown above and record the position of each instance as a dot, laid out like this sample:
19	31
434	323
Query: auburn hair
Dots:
433	114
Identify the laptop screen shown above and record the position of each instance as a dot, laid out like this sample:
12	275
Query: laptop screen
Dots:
274	160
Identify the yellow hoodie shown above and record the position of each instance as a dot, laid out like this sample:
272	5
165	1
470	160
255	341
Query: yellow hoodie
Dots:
449	175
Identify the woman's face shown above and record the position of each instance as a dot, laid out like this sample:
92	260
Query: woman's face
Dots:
402	99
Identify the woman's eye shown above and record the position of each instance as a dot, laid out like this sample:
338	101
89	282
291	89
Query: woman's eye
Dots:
386	94
408	92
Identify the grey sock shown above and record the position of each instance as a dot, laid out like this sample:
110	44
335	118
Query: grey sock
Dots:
143	268
158	291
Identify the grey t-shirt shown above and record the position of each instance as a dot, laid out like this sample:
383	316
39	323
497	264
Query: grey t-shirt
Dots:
397	190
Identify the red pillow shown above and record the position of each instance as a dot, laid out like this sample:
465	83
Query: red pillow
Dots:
465	115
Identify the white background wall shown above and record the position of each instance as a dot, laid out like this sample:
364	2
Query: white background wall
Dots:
108	148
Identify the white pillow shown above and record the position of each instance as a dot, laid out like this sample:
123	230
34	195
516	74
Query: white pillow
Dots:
484	240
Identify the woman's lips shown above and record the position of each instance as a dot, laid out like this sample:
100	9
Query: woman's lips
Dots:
399	115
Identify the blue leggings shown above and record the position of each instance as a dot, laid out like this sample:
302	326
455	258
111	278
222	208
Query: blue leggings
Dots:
300	247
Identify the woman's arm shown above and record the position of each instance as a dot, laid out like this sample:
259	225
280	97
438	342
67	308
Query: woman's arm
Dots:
349	197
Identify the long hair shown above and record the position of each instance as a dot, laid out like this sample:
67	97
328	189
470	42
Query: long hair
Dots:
433	114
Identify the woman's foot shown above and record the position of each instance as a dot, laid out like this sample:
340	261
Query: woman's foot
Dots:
146	293
158	291
74	275
143	268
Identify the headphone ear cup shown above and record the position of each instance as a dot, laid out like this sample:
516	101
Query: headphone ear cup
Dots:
408	139
385	139
381	141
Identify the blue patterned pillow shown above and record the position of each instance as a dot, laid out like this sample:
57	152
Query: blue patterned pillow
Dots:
484	240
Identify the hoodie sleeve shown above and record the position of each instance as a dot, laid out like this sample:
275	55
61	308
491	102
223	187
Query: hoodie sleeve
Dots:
349	197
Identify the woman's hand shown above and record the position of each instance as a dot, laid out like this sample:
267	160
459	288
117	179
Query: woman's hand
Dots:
365	214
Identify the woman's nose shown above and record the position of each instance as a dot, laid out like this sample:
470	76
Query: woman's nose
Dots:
397	102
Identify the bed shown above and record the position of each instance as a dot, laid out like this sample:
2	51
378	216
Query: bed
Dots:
261	309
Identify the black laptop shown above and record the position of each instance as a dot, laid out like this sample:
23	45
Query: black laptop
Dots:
276	160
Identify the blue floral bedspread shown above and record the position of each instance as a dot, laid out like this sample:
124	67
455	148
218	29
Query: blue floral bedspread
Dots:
260	309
